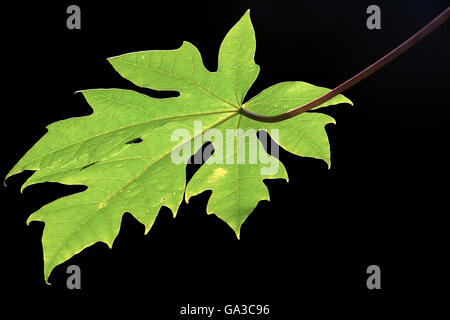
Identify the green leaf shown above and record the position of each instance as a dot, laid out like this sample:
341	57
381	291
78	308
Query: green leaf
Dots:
132	151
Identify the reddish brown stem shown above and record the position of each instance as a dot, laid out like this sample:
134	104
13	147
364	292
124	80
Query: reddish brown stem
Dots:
440	19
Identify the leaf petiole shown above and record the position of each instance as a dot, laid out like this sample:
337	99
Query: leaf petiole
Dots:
422	33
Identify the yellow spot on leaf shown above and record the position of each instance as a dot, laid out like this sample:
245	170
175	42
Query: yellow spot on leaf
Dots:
217	174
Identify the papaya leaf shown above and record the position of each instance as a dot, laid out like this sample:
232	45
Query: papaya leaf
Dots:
132	151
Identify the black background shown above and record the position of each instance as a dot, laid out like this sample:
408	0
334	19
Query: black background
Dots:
382	202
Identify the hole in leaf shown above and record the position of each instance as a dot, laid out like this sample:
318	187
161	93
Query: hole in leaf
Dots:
87	166
196	160
136	140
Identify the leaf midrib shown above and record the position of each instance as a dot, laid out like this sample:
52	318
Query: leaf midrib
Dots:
122	128
183	78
